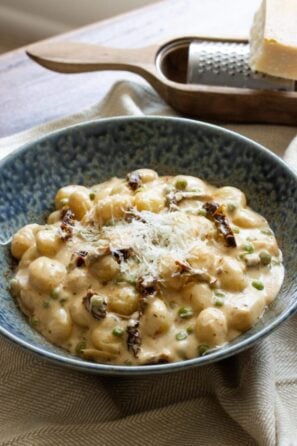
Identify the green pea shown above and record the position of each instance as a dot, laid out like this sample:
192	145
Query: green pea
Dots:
185	312
248	248
220	294
55	293
265	257
203	349
34	321
190	330
92	195
231	207
181	184
219	303
181	336
202	212
80	346
266	231
118	332
258	285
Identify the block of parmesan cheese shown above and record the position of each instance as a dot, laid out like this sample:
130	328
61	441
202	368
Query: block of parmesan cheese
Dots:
273	39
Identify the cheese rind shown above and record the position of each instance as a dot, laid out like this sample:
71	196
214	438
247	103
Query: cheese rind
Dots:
273	39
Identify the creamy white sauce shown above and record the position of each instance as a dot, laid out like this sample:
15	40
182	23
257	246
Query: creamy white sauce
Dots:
145	254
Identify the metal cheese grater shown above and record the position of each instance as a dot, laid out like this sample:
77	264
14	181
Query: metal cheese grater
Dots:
227	64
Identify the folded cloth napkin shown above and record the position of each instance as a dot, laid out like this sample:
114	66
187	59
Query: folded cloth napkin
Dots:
249	399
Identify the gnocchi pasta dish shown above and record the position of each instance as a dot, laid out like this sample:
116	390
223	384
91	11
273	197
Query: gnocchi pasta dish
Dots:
146	269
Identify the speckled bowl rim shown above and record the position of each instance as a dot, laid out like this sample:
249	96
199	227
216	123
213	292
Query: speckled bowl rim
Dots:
123	370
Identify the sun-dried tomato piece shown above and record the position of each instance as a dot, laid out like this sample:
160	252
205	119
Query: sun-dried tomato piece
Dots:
81	257
121	254
214	211
67	224
134	180
133	337
187	270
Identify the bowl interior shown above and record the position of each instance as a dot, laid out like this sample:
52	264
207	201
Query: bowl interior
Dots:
90	153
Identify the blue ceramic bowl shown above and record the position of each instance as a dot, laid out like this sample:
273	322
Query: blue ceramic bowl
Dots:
92	152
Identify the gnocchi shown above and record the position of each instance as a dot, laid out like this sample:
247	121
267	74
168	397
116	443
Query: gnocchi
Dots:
112	207
47	242
23	240
146	268
46	274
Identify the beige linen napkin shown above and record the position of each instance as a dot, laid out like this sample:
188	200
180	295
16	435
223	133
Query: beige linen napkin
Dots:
250	399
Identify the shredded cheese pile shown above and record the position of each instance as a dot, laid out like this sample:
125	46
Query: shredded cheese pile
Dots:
151	237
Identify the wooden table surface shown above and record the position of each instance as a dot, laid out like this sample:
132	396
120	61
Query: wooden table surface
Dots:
31	95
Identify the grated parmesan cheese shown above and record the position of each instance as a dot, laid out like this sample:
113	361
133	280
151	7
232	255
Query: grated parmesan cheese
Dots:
152	236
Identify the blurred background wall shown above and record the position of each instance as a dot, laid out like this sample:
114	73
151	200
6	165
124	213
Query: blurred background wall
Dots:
25	21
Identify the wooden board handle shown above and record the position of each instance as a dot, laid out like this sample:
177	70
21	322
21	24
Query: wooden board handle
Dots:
74	57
